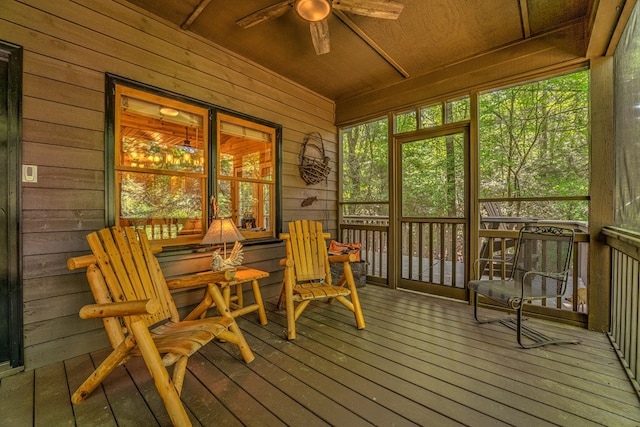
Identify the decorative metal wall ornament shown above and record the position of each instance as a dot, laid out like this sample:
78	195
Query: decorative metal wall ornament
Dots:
314	164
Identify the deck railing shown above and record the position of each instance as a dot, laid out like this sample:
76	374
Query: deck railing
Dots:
624	332
373	234
427	244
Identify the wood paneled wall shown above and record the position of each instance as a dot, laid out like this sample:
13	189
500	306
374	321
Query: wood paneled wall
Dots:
68	48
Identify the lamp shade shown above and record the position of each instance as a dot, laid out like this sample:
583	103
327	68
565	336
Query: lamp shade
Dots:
222	230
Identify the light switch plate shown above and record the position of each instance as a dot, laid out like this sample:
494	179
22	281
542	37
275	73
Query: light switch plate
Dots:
30	173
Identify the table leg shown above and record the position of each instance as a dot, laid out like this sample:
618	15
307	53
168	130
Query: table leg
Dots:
226	294
258	297
239	295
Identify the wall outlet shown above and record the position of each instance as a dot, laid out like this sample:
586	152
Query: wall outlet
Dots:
29	173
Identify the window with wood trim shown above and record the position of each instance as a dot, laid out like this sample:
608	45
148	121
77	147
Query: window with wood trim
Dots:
246	174
171	156
161	164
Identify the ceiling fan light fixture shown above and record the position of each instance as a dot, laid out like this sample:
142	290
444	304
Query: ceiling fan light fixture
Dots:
313	10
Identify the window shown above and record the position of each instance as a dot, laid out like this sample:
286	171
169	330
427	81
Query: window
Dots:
161	163
173	155
246	174
457	110
365	166
534	149
431	116
405	121
452	111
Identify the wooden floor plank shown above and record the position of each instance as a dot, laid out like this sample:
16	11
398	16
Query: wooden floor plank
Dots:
448	384
420	361
278	395
246	409
52	397
315	383
343	375
144	383
562	379
324	346
95	409
16	399
498	339
548	403
203	405
126	401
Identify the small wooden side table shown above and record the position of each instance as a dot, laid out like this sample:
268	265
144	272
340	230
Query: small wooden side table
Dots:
224	280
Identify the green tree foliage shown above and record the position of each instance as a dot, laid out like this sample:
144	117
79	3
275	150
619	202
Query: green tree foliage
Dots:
433	177
365	155
160	196
534	142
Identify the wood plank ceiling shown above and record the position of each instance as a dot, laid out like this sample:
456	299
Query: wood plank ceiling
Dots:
369	53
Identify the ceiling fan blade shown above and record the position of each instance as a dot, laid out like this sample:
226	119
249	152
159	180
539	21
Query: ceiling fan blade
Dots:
385	9
266	14
320	36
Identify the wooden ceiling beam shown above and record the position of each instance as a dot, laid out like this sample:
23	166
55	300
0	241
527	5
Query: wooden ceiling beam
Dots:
607	21
195	14
524	14
368	40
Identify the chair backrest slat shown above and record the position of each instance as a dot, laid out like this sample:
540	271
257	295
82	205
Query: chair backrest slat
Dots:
306	242
156	276
130	269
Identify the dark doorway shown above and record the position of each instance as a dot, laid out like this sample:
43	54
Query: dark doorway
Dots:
11	351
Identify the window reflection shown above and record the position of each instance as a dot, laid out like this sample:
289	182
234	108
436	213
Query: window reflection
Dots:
161	164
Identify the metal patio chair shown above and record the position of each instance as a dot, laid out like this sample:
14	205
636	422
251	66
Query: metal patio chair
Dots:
539	271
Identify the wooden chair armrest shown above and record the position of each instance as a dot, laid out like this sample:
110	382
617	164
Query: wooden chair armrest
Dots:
342	258
115	309
287	262
81	261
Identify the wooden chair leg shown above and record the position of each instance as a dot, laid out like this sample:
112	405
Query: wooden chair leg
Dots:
160	376
201	310
179	370
239	339
281	296
355	300
103	370
288	284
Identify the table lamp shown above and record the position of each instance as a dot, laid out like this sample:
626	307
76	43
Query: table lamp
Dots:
224	230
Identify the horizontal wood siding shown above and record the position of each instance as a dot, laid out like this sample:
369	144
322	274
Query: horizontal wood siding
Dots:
68	48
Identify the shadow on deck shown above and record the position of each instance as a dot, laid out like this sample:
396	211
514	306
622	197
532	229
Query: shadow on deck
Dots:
420	361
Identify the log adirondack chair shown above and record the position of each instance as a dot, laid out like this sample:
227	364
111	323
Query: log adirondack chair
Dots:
307	274
539	271
140	316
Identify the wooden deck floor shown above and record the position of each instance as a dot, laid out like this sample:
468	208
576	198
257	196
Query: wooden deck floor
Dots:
421	361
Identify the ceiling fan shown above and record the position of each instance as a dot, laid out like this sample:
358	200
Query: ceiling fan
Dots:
317	11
